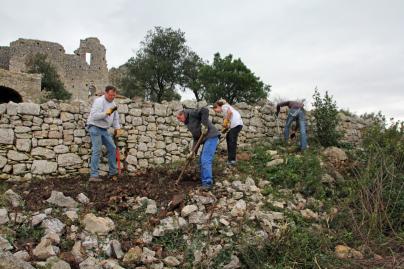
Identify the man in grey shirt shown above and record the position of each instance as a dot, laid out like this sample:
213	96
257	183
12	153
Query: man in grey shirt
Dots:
103	115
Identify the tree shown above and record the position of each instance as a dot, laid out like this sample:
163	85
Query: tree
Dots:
325	119
156	71
230	79
190	79
50	82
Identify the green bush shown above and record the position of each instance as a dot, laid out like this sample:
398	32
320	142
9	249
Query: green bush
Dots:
325	120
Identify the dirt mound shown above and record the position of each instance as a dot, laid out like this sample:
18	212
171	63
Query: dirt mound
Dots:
156	184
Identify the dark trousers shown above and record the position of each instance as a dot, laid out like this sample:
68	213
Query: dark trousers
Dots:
231	139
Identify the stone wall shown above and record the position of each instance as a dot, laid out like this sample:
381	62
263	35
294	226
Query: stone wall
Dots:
28	86
50	139
73	69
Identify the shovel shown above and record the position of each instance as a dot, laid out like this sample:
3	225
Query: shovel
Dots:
188	161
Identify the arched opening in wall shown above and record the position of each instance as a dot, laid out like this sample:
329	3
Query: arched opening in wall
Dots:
88	58
8	94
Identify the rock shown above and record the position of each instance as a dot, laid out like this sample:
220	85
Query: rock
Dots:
151	207
233	264
90	263
53	225
37	219
41	167
45	249
133	255
3	161
5	245
147	238
204	200
335	155
275	162
23	145
309	214
98	225
197	218
54	237
19	168
17	217
76	252
59	149
357	254
17	156
171	261
111	264
187	210
43	152
117	249
72	215
90	242
148	256
56	263
22	255
82	198
58	198
13	198
239	209
3	216
6	136
69	159
8	261
28	109
342	252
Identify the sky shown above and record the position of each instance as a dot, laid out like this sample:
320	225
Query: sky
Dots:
354	49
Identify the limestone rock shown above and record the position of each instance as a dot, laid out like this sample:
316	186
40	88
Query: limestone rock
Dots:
28	109
45	249
335	155
233	264
6	136
275	162
22	255
16	156
133	255
13	198
8	261
239	209
69	159
82	198
148	256
117	249
3	216
4	244
53	225
43	167
98	225
187	210
3	161
171	261
43	152
59	199
90	263
37	219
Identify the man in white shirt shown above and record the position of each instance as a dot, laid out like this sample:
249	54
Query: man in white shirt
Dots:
103	115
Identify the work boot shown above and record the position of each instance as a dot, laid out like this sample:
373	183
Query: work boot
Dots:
206	187
95	179
231	163
113	177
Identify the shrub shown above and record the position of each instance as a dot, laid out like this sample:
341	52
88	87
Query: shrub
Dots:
50	82
325	119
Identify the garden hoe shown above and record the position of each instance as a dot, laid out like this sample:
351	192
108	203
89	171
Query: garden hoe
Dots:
188	161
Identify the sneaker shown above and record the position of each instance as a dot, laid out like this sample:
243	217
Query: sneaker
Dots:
113	177
231	163
206	187
95	179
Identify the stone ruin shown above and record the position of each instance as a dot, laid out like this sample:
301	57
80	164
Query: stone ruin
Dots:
78	71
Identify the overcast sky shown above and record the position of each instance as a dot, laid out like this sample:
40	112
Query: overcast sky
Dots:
354	49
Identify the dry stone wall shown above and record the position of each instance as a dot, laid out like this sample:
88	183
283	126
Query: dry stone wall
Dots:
49	139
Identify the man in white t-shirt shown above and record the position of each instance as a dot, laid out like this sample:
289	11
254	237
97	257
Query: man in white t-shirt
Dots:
232	123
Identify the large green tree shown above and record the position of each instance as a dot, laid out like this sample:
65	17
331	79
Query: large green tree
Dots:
51	82
156	71
230	79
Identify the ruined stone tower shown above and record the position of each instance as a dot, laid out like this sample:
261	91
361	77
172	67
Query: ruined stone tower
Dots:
78	71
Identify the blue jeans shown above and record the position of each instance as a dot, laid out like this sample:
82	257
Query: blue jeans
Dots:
101	136
206	160
297	115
